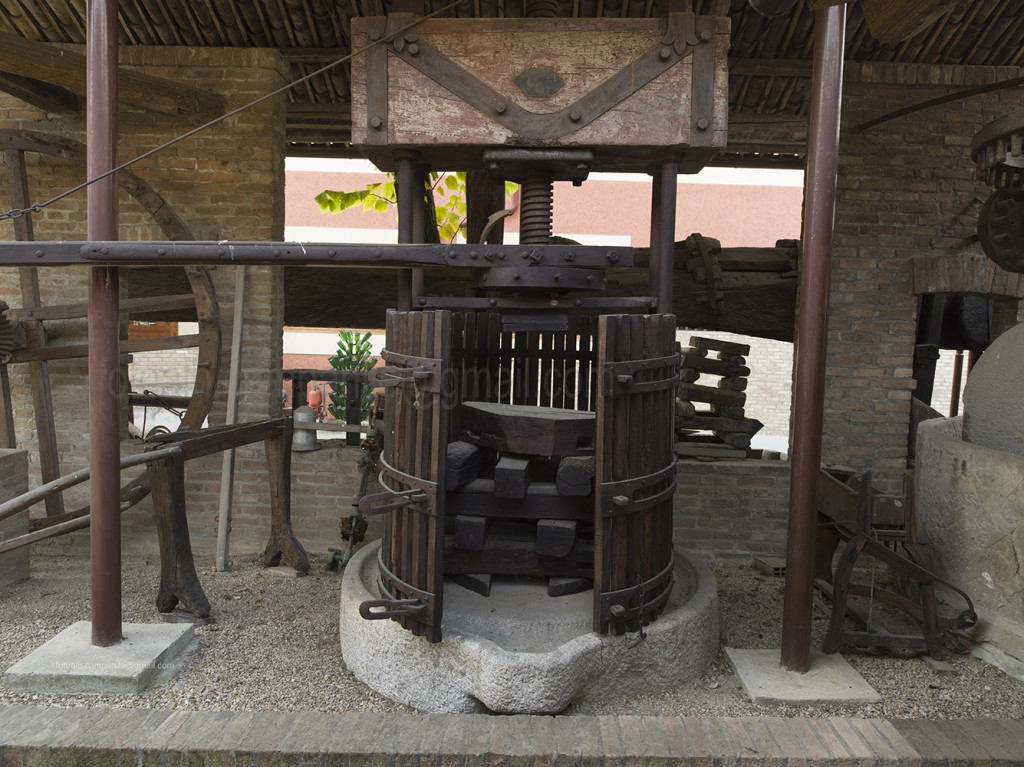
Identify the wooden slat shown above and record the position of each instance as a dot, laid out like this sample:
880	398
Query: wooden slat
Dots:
35	338
130	346
127	306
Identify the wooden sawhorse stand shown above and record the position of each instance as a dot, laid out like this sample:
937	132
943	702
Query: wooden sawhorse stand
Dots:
178	580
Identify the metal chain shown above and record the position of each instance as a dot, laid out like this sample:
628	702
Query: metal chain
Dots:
16	213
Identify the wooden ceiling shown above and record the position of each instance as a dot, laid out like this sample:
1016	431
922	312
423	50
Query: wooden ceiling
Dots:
769	59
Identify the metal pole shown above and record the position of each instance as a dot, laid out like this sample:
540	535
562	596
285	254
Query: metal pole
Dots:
104	384
812	333
654	252
667	235
406	187
958	374
419	224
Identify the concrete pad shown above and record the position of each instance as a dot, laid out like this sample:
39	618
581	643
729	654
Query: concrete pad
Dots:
830	680
522	651
70	664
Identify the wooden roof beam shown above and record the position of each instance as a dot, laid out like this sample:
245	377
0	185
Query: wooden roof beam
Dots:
893	21
49	98
65	70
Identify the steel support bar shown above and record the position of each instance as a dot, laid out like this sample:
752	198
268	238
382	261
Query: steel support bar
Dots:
667	234
104	316
654	252
169	253
407	191
812	334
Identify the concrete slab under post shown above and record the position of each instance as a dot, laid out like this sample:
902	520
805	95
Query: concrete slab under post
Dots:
71	664
830	679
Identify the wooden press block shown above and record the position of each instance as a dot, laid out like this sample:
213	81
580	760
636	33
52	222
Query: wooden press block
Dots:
470	532
575	475
443	92
463	464
512	476
527	430
478	582
555	537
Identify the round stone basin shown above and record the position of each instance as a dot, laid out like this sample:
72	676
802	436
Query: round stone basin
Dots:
521	651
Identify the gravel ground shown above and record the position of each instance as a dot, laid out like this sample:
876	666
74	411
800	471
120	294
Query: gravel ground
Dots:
274	646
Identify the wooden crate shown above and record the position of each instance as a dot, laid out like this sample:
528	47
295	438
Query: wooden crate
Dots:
628	89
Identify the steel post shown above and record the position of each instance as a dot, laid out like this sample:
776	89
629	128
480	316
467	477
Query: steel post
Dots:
654	252
104	385
419	223
406	190
667	235
812	333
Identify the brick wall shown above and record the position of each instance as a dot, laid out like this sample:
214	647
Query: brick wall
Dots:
225	183
906	188
13	482
732	510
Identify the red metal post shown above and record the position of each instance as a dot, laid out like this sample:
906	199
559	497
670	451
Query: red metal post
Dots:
812	333
104	405
667	235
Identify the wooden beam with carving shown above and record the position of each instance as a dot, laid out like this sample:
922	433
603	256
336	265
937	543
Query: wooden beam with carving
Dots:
66	69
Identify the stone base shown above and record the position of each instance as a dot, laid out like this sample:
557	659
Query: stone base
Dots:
830	680
521	651
70	664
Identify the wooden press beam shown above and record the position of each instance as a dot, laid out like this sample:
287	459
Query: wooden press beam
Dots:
66	70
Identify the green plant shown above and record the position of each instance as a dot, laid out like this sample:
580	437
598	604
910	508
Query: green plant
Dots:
353	354
450	212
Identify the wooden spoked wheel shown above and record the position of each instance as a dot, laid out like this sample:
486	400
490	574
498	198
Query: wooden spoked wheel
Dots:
37	353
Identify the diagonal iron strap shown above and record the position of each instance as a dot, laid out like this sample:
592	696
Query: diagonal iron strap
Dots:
679	41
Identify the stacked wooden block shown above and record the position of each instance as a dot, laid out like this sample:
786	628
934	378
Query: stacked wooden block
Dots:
720	428
520	484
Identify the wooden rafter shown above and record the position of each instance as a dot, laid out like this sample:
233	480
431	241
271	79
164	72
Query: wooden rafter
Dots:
66	70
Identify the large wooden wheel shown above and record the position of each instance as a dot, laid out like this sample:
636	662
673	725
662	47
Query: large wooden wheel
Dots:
33	314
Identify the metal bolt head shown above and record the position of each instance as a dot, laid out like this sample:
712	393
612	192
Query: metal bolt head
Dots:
575	116
664	53
613	256
161	251
705	35
492	302
413	49
703	124
500	107
376	122
374	35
